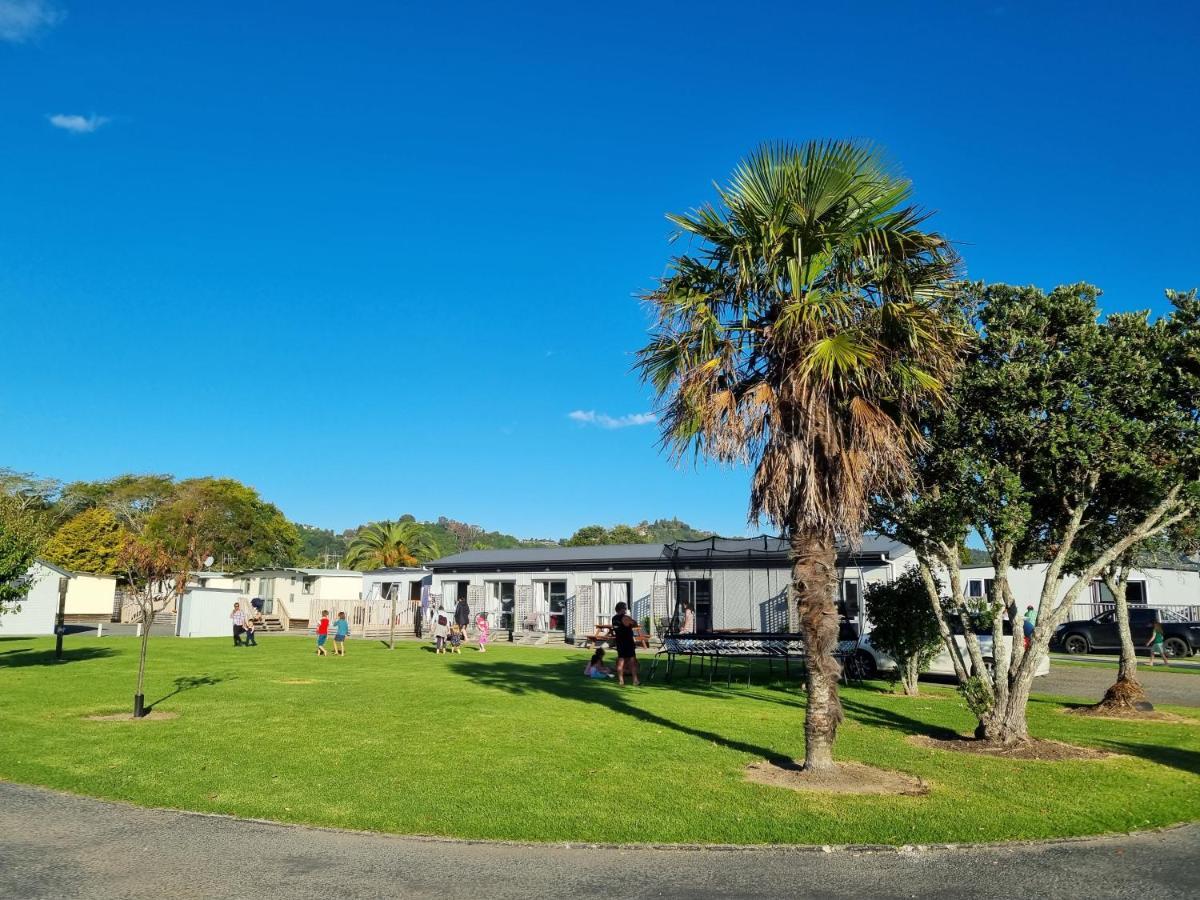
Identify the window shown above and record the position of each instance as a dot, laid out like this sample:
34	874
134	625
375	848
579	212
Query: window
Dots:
608	595
980	588
1135	593
550	608
308	585
452	592
501	602
851	592
697	594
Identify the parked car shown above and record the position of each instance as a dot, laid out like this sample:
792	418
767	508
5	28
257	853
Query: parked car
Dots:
870	660
1100	634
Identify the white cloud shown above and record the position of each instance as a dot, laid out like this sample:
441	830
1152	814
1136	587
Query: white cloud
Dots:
591	417
21	20
78	124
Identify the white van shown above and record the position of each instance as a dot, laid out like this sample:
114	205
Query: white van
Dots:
871	661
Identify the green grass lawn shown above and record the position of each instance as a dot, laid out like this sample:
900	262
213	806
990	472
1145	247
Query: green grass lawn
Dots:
1189	666
516	744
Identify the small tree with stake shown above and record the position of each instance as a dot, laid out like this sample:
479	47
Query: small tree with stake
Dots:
156	576
905	627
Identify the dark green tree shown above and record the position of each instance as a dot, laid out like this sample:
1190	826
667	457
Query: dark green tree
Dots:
903	625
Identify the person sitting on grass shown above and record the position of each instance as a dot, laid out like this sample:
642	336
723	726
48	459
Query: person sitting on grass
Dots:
341	628
322	633
596	668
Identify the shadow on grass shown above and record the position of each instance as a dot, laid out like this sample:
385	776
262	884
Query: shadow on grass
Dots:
1175	757
897	721
21	657
188	683
565	680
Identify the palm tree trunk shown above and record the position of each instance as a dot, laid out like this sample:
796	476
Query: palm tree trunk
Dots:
814	579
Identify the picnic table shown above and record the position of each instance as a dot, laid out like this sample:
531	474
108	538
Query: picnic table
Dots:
604	635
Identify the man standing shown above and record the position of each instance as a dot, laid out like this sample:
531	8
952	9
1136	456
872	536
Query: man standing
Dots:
239	624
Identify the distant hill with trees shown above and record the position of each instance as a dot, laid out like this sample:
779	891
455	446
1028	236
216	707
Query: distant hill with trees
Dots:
84	523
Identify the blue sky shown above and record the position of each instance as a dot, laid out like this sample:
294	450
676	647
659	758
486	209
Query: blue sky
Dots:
370	259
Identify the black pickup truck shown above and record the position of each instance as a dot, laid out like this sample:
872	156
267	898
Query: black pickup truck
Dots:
1100	634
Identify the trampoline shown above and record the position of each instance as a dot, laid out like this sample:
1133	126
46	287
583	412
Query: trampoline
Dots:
730	603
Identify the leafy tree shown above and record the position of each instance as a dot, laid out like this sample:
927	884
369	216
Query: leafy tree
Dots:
588	536
667	531
627	534
21	536
904	626
384	545
157	573
1072	442
240	530
802	337
320	546
130	498
90	542
28	491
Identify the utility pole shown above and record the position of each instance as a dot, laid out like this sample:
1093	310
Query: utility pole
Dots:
60	619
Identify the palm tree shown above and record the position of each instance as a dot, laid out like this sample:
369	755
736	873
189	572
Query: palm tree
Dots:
384	545
810	328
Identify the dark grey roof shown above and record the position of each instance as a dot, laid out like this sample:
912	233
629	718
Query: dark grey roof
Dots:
643	555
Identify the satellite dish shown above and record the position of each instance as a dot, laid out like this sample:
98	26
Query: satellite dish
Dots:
208	562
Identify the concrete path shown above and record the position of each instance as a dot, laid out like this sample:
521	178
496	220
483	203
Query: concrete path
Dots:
58	846
1089	682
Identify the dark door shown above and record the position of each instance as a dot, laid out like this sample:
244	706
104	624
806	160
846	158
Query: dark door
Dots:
1104	631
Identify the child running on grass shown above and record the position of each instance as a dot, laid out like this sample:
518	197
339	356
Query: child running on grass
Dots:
322	633
485	631
341	628
456	638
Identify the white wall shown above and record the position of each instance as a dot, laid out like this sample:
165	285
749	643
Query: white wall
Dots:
91	595
38	609
1164	587
204	612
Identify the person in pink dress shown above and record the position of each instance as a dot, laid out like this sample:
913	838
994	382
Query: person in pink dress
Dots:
484	630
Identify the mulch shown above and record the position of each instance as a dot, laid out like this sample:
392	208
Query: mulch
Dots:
847	778
1032	749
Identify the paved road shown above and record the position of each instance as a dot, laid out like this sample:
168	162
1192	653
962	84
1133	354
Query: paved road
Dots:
58	846
1089	682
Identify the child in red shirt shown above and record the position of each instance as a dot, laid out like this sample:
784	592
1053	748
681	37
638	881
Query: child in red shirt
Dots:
322	632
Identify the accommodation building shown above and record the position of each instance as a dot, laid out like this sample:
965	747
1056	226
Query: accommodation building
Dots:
91	598
296	596
1172	585
39	607
731	584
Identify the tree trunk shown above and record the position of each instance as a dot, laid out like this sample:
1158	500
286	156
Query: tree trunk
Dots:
1007	724
909	676
1127	692
138	704
814	576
